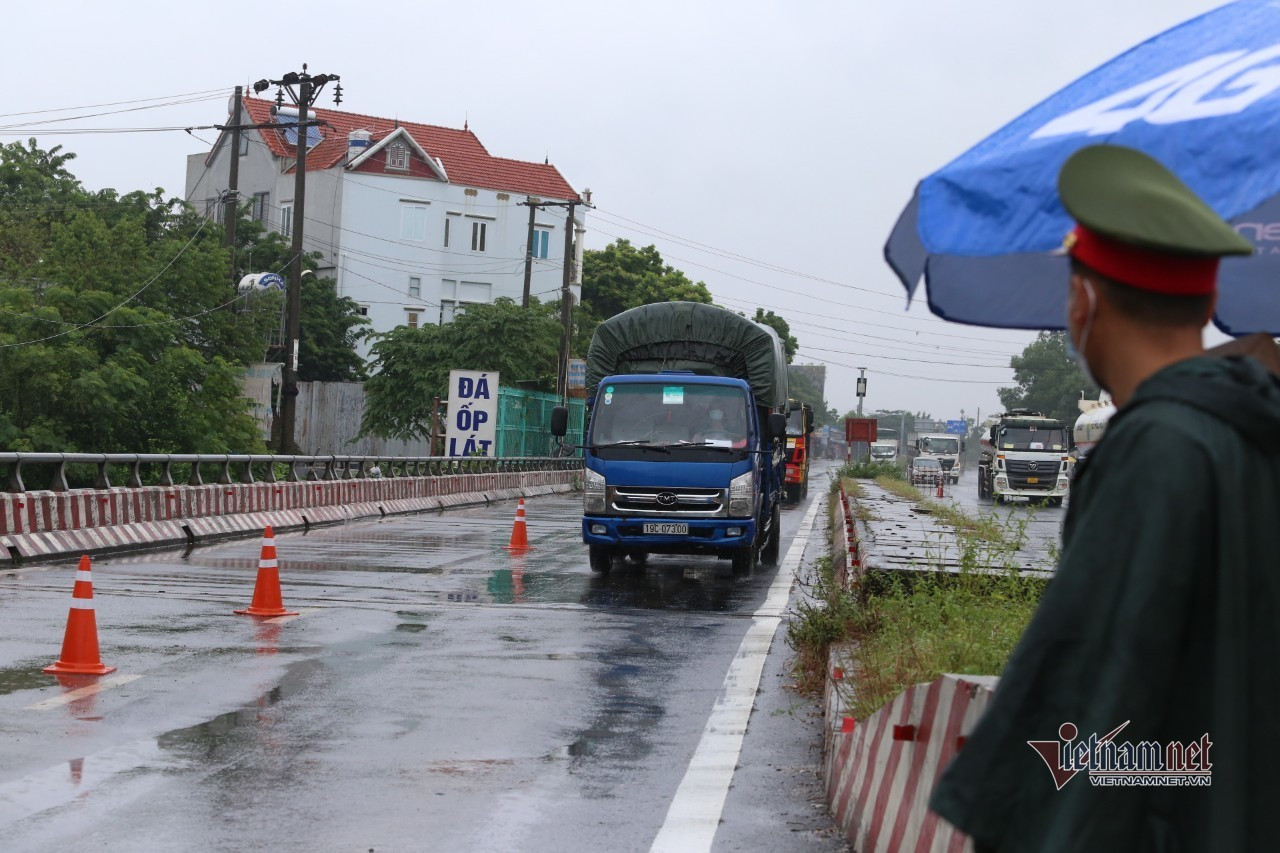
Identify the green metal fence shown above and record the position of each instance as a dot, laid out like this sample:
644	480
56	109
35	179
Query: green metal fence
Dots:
524	423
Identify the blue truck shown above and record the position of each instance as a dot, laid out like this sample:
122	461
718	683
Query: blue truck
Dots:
685	449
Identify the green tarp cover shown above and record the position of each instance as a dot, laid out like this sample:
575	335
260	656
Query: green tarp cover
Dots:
690	336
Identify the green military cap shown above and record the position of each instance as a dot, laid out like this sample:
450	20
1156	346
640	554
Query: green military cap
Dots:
1138	223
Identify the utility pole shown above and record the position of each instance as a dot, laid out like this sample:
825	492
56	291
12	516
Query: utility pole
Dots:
309	87
566	307
862	392
233	185
531	203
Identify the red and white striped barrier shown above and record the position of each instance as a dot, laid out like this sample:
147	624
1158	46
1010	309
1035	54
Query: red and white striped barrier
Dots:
880	771
46	525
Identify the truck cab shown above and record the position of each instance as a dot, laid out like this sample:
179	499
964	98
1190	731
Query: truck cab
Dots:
1025	455
948	449
799	438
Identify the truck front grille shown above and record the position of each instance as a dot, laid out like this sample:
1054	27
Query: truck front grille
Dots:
645	500
1020	470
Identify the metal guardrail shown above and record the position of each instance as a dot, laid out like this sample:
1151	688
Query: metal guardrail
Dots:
313	467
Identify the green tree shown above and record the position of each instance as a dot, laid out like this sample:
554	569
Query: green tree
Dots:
621	276
331	326
1048	381
411	366
782	327
118	331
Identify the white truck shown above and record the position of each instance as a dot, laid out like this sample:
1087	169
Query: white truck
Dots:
948	449
884	451
1025	455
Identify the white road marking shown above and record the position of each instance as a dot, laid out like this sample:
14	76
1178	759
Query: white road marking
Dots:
81	693
276	620
694	814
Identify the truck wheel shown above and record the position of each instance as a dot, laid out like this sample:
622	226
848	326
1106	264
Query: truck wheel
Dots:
639	557
1055	501
773	545
792	494
744	559
601	558
804	490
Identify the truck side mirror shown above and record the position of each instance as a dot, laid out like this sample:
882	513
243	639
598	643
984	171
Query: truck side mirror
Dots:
559	421
777	425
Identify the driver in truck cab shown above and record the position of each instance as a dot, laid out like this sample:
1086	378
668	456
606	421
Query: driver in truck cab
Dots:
720	429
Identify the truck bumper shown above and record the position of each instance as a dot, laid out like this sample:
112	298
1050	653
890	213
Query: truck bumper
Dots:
706	535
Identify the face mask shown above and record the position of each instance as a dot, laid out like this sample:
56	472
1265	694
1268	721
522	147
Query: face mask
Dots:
1077	354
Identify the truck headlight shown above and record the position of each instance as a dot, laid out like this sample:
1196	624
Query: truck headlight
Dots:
593	501
742	495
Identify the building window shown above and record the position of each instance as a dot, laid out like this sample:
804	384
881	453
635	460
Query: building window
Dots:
478	232
259	209
244	144
411	319
415	286
286	219
541	242
211	206
397	156
413	222
446	232
362	310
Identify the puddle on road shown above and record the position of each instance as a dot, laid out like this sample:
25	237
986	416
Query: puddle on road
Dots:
208	737
29	677
411	627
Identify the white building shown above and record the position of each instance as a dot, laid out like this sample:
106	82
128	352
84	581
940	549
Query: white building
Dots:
414	221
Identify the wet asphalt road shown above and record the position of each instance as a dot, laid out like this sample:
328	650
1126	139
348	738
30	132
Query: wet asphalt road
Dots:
437	693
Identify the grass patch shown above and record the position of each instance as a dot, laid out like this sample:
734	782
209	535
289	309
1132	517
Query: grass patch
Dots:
899	487
1008	530
828	613
909	628
873	470
913	630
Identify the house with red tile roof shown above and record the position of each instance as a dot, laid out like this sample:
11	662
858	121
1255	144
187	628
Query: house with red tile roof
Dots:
413	221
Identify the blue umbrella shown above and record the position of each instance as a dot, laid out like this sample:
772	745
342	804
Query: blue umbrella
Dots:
1203	98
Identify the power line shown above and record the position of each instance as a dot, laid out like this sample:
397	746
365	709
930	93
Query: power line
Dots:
110	103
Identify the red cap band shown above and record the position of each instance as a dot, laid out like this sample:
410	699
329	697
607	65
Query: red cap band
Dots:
1160	272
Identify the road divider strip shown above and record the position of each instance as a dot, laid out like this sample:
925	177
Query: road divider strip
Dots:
694	815
82	692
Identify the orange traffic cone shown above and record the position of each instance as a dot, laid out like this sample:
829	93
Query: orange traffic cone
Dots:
266	592
940	487
519	534
80	655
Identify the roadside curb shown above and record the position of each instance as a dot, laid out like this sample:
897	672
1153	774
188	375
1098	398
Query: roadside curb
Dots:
52	545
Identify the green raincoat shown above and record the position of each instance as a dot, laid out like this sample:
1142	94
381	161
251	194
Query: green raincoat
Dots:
1164	613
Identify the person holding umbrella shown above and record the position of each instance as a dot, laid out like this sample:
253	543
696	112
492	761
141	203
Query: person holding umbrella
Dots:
1141	708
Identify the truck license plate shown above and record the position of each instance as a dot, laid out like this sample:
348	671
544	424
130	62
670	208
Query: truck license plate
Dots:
1033	479
666	529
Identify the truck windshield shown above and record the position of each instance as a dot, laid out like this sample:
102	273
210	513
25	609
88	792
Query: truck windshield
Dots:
795	422
669	414
882	452
940	445
1033	438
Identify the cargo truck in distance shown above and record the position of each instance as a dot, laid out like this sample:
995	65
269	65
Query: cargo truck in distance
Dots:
948	449
685	447
799	436
1024	456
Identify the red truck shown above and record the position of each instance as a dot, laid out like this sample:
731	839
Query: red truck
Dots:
799	433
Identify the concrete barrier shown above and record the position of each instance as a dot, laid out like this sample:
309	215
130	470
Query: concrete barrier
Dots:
880	771
46	525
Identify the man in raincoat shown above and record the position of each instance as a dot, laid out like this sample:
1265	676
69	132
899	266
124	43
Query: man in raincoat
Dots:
1141	708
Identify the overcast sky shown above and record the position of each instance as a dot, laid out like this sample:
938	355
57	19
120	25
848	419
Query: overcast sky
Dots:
786	134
